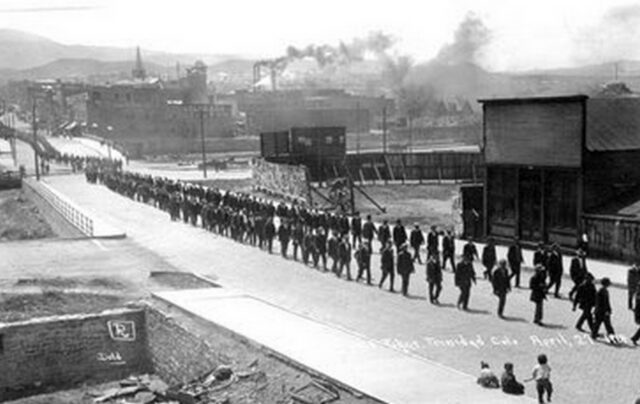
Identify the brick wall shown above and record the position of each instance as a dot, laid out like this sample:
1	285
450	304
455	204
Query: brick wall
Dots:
178	356
66	350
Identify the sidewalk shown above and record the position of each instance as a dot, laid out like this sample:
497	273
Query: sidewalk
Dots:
366	366
600	269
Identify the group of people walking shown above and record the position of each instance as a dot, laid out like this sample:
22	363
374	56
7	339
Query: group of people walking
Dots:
332	242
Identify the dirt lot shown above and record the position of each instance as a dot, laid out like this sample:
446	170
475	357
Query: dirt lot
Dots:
423	204
426	204
20	219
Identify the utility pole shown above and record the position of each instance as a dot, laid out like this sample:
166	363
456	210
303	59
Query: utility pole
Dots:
358	127
35	137
204	153
384	127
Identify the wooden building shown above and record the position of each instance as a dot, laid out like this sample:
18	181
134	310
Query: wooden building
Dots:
551	162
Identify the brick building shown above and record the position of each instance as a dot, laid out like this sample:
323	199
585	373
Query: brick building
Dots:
152	116
268	111
555	164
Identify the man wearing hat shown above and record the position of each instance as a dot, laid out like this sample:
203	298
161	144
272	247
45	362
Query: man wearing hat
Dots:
538	288
405	267
577	271
464	276
514	256
448	250
417	240
555	269
489	258
434	278
602	311
585	299
386	265
501	285
399	234
432	241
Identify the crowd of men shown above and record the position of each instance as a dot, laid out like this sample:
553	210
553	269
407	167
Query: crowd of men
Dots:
331	242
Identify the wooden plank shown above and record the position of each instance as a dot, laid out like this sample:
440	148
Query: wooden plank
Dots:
375	168
391	173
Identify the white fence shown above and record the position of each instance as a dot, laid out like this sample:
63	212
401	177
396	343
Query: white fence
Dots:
67	209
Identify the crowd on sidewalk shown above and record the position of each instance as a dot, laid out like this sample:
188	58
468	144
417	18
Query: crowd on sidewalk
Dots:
337	242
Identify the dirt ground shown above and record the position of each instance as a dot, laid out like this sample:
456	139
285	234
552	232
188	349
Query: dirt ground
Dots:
426	205
20	219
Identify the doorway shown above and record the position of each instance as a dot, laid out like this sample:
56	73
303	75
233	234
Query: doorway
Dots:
530	205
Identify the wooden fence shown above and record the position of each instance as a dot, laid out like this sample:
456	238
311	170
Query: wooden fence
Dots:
613	237
426	166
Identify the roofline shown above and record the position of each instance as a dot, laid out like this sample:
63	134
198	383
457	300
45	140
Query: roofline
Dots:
543	99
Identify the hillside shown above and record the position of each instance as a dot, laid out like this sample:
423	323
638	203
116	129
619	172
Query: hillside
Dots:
20	50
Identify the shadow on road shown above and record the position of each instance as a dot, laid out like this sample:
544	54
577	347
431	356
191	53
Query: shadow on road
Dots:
514	319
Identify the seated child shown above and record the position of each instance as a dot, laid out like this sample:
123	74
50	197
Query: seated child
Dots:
509	383
487	378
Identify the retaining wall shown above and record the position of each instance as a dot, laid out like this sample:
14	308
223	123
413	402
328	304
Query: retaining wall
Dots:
66	350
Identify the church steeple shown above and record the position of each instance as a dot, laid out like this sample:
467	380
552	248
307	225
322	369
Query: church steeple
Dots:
138	71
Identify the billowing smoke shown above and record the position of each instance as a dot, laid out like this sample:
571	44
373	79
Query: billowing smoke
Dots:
470	39
376	43
614	38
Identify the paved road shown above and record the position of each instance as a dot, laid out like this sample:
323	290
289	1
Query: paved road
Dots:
583	371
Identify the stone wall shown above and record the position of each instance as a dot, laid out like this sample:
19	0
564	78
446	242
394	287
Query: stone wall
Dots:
177	355
67	350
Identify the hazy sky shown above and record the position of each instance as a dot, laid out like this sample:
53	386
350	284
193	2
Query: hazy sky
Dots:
524	34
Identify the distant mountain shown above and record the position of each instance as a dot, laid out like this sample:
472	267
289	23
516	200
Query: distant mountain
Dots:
607	70
21	50
84	68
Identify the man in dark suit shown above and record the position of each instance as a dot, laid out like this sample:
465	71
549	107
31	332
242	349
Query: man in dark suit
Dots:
434	278
386	265
356	229
585	299
538	295
369	230
269	234
464	277
501	285
399	234
432	241
514	256
489	258
416	239
448	250
405	267
344	256
363	258
470	251
602	311
284	234
540	256
384	234
577	271
555	269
